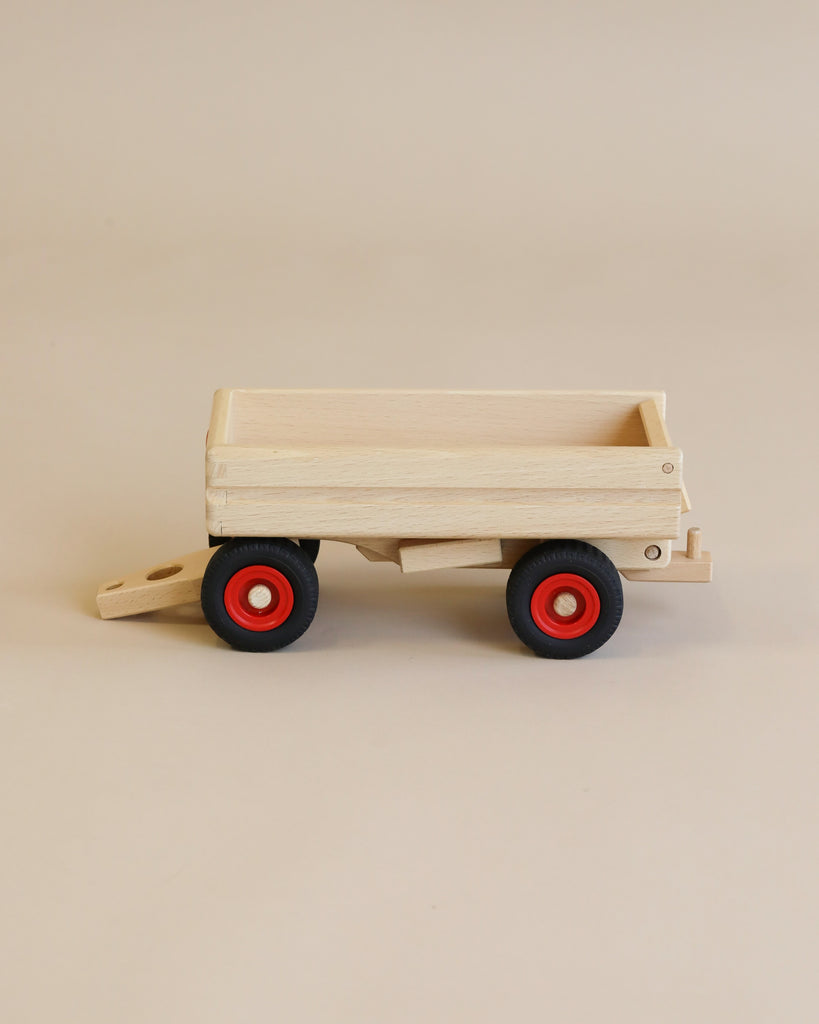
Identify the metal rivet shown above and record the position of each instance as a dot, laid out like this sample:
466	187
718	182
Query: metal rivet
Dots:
668	467
652	552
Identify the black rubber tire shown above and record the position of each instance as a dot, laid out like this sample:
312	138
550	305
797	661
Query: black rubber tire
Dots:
280	554
549	559
311	548
215	542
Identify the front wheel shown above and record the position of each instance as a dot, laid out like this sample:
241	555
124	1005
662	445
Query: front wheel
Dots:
310	546
564	599
259	595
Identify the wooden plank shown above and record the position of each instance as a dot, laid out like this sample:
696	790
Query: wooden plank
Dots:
497	467
679	570
625	554
162	586
483	496
631	554
511	553
654	424
281	418
451	554
434	521
219	429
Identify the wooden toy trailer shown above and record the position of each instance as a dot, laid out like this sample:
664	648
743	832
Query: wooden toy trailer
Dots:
567	489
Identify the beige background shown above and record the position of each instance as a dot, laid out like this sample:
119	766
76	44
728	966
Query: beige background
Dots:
405	817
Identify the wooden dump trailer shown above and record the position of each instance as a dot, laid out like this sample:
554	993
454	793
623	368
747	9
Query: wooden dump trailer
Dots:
564	488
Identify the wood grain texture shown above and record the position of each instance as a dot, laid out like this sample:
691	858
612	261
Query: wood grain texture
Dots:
219	429
500	466
693	548
176	582
624	554
453	554
293	418
435	479
654	424
434	521
680	569
439	465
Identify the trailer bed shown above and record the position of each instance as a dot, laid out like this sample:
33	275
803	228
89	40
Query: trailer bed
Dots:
441	465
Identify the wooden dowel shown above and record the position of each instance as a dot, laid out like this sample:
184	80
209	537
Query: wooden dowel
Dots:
694	546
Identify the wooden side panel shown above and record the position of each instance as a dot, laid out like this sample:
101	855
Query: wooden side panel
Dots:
503	492
440	465
419	519
502	466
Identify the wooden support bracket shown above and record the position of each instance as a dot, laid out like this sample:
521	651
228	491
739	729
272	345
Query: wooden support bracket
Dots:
452	554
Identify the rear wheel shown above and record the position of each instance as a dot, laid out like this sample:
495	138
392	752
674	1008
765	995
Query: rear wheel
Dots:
259	595
564	599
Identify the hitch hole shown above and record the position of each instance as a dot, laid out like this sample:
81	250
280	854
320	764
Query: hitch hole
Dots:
164	572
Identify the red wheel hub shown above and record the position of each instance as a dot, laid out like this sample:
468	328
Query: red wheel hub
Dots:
565	606
258	598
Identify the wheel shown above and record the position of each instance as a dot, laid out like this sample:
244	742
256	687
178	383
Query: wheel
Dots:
311	548
259	595
215	542
564	599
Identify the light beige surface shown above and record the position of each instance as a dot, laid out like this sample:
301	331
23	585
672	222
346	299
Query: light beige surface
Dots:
405	817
